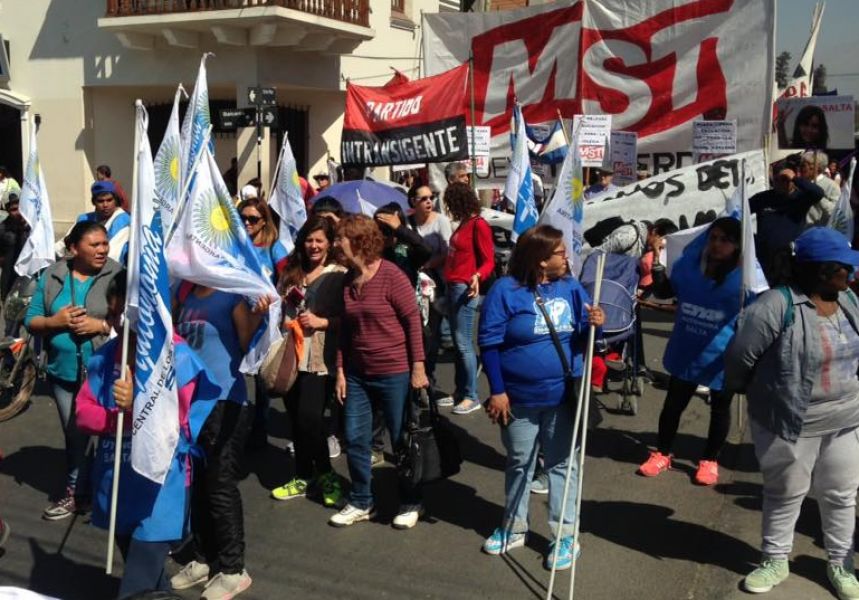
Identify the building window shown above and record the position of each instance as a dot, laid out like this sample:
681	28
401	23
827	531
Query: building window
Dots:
398	6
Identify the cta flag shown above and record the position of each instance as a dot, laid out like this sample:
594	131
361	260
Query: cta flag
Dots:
38	250
210	247
519	189
738	207
421	121
155	426
842	217
565	209
197	121
168	161
287	200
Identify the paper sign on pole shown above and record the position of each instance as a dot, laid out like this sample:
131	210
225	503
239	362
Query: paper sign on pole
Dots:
714	137
593	132
482	137
623	157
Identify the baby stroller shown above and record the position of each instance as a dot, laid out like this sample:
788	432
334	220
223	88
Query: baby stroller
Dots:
619	301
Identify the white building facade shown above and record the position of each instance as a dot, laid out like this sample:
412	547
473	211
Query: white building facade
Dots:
81	64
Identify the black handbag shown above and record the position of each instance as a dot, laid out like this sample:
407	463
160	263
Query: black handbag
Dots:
427	452
572	384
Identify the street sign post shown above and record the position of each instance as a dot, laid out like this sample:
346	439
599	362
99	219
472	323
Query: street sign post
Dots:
264	100
233	118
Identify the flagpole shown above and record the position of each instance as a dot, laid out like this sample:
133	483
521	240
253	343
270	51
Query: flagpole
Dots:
120	417
277	166
473	121
580	421
186	186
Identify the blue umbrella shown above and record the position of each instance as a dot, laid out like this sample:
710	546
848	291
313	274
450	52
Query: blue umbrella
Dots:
351	193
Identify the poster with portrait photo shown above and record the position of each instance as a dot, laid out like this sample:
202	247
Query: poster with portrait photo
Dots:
815	123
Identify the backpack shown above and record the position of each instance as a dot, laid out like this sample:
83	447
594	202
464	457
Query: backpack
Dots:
789	315
597	234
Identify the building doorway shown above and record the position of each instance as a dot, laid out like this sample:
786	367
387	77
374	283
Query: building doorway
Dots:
11	152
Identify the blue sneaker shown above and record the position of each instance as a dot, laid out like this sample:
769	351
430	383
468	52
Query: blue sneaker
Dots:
501	542
565	554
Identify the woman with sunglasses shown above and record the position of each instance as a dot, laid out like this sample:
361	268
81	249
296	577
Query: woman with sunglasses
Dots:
796	355
435	230
260	226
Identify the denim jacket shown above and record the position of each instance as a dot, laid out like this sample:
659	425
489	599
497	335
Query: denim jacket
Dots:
775	364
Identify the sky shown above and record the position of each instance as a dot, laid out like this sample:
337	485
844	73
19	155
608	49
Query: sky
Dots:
837	44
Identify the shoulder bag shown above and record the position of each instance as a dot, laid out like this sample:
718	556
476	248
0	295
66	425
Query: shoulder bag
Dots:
426	453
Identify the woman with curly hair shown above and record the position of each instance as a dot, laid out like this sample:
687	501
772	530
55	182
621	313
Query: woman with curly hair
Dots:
470	260
381	355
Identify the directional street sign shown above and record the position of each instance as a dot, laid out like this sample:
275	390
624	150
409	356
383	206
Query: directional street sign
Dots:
268	96
268	116
262	96
232	118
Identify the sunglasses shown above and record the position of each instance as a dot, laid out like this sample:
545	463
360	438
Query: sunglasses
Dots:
422	198
251	219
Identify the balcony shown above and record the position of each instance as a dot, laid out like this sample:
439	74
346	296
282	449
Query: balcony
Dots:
327	26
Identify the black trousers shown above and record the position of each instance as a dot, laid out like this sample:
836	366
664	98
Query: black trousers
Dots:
679	394
217	520
306	403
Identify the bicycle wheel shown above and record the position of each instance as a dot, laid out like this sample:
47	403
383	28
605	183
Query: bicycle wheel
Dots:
16	397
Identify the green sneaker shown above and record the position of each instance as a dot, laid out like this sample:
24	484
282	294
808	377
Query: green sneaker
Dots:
844	582
771	573
329	483
296	488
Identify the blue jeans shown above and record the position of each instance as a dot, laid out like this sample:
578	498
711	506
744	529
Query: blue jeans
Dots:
144	566
552	427
363	393
77	464
461	312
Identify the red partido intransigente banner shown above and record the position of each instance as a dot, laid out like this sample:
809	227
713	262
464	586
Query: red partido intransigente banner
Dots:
408	122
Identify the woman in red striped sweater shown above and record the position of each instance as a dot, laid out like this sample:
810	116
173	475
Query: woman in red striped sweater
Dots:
381	355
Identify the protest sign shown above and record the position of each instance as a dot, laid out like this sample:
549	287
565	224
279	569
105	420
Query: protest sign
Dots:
655	69
622	157
820	122
406	122
480	148
593	132
681	195
714	137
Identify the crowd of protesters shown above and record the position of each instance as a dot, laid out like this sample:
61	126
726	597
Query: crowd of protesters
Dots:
367	299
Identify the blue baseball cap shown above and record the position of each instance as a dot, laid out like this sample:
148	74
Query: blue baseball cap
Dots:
821	244
103	187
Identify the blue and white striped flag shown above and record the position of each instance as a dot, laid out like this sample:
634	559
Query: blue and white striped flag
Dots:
168	161
566	208
197	121
155	428
210	247
38	251
286	197
519	188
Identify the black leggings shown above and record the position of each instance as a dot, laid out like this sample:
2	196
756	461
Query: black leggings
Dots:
679	394
306	403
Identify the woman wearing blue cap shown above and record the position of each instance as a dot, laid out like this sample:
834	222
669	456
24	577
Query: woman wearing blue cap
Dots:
796	353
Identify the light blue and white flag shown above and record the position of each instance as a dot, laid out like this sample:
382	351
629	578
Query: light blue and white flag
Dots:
197	121
519	188
210	247
842	216
737	206
367	209
155	426
286	197
168	161
550	147
38	251
566	208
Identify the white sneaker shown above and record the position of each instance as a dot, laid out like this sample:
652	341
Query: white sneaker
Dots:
444	401
194	573
224	587
350	515
702	390
333	446
408	516
290	447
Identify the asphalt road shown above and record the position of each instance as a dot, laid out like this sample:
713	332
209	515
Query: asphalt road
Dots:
642	538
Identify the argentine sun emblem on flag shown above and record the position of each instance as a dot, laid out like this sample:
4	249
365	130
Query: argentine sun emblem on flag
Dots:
212	223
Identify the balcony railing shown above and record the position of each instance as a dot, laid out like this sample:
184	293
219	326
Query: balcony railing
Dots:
356	12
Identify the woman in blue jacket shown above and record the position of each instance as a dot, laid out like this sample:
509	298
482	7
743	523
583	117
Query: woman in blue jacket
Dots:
706	280
528	383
